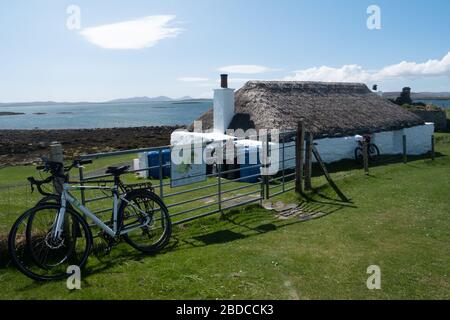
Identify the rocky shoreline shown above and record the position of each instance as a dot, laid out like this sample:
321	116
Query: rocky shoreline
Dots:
18	147
9	113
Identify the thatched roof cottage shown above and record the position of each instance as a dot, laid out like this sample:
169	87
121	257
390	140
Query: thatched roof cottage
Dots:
327	109
333	112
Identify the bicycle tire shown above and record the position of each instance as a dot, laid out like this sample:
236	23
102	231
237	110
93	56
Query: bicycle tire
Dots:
374	152
29	217
359	155
164	238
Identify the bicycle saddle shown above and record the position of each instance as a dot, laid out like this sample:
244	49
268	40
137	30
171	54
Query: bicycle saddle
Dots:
117	171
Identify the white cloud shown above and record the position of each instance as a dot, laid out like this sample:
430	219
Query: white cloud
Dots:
246	69
192	79
133	34
356	73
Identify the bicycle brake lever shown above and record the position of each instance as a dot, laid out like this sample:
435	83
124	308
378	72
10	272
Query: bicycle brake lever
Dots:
31	184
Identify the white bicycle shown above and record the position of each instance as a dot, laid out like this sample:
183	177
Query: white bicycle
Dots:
48	238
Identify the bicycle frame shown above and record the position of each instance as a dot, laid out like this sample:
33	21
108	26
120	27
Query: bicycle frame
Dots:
66	196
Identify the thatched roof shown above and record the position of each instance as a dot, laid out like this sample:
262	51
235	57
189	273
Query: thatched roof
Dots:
327	109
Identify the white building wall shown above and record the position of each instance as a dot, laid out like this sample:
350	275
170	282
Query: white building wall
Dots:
418	141
331	149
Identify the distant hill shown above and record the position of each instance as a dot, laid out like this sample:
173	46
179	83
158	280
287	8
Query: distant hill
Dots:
420	95
141	99
147	99
185	98
125	100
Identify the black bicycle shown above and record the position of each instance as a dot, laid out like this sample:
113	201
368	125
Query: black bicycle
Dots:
372	150
50	237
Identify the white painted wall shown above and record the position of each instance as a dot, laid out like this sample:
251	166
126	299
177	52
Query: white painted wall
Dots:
418	141
331	149
223	109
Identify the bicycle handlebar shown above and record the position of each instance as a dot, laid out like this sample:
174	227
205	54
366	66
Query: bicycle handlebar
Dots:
55	167
39	183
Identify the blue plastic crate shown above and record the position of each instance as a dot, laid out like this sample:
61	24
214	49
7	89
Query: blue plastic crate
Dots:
252	171
154	163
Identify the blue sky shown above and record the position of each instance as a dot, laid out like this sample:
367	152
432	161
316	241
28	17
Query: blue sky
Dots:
179	47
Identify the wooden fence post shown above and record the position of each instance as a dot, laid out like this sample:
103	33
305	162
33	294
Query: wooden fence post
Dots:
299	154
219	186
308	161
405	153
267	192
366	157
433	153
82	191
57	155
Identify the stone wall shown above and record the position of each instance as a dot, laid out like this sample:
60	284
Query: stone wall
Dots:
438	117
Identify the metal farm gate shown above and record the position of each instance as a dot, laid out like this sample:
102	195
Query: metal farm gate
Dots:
220	189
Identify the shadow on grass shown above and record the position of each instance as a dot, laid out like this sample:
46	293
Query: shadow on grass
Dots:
314	205
232	226
222	236
349	165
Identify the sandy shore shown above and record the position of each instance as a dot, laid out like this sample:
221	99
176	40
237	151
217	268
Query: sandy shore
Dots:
27	146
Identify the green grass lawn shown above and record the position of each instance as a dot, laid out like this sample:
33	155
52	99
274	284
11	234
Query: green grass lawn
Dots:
399	219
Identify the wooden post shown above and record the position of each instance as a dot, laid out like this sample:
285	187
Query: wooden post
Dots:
299	154
267	192
433	153
405	154
219	186
308	161
366	157
82	191
161	173
56	155
327	175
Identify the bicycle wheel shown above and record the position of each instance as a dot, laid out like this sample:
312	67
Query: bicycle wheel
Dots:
374	152
36	255
147	219
359	155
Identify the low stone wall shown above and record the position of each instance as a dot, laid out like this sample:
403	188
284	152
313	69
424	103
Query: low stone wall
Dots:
438	117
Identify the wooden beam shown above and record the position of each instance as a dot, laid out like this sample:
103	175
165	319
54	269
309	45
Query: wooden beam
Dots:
327	175
299	156
308	161
433	152
366	157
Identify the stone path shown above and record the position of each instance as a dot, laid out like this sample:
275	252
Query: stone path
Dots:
290	210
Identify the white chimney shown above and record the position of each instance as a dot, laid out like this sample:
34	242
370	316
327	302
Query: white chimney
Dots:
223	106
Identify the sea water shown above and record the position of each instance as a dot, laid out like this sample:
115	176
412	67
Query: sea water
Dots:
103	115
